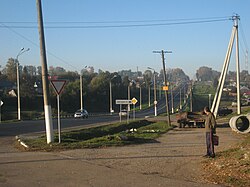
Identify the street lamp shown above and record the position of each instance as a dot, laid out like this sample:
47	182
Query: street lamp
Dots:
110	95
172	99
81	94
180	100
18	83
141	93
129	84
209	100
155	101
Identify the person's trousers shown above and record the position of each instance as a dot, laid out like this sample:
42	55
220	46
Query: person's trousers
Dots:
210	144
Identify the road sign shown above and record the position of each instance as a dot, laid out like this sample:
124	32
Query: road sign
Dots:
134	101
123	102
58	85
165	88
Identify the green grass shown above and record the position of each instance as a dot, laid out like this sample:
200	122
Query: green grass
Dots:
117	134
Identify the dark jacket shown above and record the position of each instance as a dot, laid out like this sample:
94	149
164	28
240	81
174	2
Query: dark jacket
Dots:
210	123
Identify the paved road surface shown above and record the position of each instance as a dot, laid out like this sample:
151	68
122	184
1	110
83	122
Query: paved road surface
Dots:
174	160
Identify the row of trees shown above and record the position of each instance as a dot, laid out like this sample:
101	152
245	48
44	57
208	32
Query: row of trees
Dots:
95	86
208	74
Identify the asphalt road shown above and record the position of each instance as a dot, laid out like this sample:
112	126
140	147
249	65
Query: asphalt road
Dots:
173	160
32	126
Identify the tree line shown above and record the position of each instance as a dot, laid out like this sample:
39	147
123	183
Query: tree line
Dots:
96	87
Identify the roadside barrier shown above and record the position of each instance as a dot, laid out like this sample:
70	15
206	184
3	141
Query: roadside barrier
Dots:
240	124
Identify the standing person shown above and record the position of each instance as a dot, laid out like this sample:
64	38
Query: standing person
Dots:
210	129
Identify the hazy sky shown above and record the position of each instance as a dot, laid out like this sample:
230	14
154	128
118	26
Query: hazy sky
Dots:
118	35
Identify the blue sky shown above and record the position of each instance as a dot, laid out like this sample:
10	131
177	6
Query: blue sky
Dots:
123	48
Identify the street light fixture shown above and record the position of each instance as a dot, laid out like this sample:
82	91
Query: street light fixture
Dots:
155	101
81	92
129	84
18	83
110	95
140	85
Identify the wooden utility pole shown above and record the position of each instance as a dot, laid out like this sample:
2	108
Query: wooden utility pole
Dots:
165	81
45	80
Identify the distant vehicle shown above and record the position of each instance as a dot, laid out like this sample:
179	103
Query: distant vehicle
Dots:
123	112
246	102
223	111
81	114
190	119
234	104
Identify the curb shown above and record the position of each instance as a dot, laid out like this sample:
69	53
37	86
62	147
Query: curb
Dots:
21	142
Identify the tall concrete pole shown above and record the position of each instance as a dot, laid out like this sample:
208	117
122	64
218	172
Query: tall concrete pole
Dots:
191	98
129	96
155	99
110	94
18	83
45	81
172	98
81	94
236	18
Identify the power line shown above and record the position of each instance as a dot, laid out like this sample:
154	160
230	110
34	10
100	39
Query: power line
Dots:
36	45
158	23
243	36
121	21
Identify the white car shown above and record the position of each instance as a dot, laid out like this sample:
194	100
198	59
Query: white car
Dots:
81	114
123	112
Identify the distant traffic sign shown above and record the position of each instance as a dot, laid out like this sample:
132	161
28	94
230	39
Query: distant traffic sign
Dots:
58	85
134	101
165	88
123	102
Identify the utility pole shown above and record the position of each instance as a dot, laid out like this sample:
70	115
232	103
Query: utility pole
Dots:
180	100
18	83
191	98
222	78
165	81
45	80
81	100
155	100
236	19
246	60
172	99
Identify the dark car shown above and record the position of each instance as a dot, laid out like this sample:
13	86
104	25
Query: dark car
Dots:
224	111
81	113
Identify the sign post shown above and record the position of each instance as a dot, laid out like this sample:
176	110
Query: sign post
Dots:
123	102
134	101
58	86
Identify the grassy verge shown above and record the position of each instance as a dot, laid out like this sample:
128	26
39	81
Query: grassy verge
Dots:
117	134
230	167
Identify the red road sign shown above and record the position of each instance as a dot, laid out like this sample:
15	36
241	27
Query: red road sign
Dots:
58	85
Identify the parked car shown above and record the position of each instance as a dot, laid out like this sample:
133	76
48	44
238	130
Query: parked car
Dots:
223	111
81	113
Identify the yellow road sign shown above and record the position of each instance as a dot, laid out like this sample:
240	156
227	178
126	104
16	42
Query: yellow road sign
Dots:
165	88
134	101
